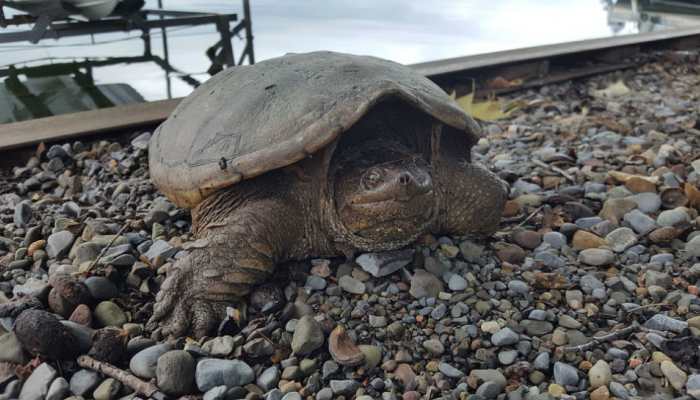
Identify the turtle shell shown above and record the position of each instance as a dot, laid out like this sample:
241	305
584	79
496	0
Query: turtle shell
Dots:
249	120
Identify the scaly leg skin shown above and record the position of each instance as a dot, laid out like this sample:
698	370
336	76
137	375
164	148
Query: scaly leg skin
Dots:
239	252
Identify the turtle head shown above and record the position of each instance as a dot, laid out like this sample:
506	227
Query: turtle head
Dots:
383	192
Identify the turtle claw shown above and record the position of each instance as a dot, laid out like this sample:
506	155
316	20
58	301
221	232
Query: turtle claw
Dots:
184	304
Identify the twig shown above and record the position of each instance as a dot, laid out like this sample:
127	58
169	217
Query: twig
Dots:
139	386
528	218
614	335
104	251
555	169
642	308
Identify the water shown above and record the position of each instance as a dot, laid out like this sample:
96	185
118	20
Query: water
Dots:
407	31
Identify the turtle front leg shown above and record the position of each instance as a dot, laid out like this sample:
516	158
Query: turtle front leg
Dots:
235	254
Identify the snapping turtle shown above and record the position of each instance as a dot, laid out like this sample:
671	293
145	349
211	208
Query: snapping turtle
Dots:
310	155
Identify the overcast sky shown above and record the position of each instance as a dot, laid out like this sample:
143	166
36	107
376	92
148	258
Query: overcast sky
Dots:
406	31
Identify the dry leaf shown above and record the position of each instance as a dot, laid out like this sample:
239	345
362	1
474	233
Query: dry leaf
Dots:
616	89
693	195
489	110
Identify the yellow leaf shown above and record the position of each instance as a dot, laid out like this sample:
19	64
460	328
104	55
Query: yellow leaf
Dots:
489	110
617	89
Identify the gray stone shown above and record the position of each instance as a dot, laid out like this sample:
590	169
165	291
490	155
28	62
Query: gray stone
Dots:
344	387
450	371
621	239
555	239
58	244
160	251
519	287
216	393
599	374
175	371
536	328
329	368
82	333
351	285
656	278
692	248
489	390
673	217
308	336
565	374
58	389
647	202
505	337
541	362
425	284
220	346
640	222
434	347
107	390
507	357
292	396
36	386
324	394
385	263
596	257
212	372
661	322
11	349
23	214
693	386
268	378
457	283
84	382
101	288
589	283
144	363
108	313
315	282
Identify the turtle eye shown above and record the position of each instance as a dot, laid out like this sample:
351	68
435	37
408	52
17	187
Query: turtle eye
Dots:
371	179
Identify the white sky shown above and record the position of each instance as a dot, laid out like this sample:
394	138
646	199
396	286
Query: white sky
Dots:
406	31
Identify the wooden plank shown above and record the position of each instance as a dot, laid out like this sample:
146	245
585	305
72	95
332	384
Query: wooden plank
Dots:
454	65
75	125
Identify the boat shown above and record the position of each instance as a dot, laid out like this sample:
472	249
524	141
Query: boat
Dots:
58	9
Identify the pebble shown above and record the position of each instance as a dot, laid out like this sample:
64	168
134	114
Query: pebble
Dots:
457	283
175	372
107	390
58	390
212	372
269	378
84	382
351	285
565	374
673	217
597	257
58	243
434	347
661	322
101	288
308	336
36	386
621	239
505	337
11	349
144	363
344	387
676	376
108	313
425	284
600	374
385	263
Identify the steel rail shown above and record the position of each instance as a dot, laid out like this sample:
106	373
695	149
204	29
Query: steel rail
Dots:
533	66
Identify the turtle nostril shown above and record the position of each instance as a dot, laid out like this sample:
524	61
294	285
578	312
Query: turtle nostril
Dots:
404	179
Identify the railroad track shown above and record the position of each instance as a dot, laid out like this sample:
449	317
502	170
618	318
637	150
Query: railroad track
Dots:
531	67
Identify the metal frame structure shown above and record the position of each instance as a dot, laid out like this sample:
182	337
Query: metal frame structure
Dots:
221	54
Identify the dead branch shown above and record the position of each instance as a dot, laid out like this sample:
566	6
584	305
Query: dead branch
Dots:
614	335
141	387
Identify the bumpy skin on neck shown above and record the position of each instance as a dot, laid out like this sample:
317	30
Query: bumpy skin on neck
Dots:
471	198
